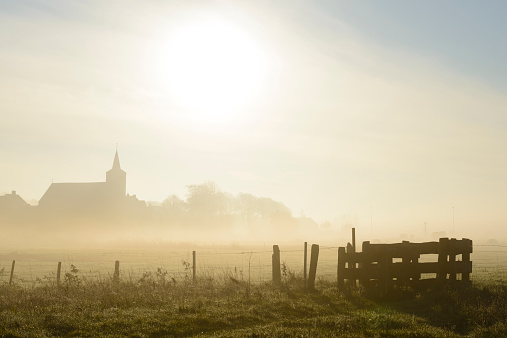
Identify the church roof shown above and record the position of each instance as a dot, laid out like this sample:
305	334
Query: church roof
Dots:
10	201
73	193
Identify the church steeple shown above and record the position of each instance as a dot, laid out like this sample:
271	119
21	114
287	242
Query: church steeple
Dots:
116	162
116	178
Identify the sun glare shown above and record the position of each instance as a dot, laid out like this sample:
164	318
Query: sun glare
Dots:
212	68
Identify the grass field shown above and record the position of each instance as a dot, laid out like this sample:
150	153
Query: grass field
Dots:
156	297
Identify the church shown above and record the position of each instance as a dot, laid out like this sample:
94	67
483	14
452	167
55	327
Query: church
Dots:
91	198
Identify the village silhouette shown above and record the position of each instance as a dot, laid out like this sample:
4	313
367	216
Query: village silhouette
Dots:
98	206
77	201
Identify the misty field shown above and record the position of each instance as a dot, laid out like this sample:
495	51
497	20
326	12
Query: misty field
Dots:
39	266
157	297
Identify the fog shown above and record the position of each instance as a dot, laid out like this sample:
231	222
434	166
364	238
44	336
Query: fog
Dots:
81	216
251	122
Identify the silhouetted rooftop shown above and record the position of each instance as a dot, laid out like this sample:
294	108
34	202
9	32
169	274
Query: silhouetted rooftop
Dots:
13	200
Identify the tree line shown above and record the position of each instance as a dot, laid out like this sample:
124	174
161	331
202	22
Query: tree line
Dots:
206	204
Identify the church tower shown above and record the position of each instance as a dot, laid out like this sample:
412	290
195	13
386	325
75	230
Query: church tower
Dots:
116	178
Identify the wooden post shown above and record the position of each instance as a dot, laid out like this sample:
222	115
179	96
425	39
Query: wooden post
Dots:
351	281
405	264
340	270
385	280
465	276
116	275
304	262
277	274
416	276
12	272
364	267
58	271
452	259
443	251
249	280
194	266
354	239
313	266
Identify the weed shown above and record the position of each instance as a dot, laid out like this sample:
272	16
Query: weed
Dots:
155	304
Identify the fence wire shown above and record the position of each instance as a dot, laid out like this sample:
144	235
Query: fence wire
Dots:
39	268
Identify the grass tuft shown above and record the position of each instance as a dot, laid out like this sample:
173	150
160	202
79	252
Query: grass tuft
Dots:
156	304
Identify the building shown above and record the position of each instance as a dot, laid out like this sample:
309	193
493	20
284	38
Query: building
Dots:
12	202
91	198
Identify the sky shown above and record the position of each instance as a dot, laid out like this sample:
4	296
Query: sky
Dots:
386	114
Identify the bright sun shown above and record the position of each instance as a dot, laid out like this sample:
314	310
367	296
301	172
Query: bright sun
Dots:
212	69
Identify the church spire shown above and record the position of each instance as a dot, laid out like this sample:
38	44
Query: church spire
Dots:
116	162
117	178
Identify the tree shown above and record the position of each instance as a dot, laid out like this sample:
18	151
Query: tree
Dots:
174	206
205	199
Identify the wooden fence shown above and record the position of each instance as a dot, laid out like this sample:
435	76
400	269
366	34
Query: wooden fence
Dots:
390	265
378	265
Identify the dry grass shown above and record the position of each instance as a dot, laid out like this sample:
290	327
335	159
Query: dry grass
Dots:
155	304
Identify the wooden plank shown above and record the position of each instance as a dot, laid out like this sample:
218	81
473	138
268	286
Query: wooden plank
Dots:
376	266
397	270
405	272
340	270
364	266
354	239
351	263
443	251
464	246
464	268
452	259
360	257
465	275
399	249
415	268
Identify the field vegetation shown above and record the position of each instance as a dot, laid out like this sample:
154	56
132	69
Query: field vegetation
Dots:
154	304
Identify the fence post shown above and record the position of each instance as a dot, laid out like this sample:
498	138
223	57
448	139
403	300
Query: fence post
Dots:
443	251
416	276
277	275
341	268
406	267
354	239
12	272
364	266
452	259
249	283
305	261
465	276
351	265
193	266
58	271
116	275
313	266
385	277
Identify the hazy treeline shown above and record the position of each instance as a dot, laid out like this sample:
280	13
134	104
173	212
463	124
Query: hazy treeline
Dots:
206	213
205	205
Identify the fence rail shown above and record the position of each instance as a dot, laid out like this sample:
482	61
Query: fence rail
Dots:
375	265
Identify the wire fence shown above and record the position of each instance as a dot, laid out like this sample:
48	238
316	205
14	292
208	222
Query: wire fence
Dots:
34	268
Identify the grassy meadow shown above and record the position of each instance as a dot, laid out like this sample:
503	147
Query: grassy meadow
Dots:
151	301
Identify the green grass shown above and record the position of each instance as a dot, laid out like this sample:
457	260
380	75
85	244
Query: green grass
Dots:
155	305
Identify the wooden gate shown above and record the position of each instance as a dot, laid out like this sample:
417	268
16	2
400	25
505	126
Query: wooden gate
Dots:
398	264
